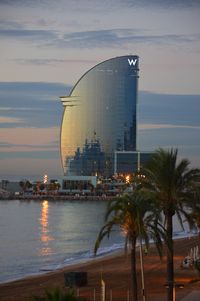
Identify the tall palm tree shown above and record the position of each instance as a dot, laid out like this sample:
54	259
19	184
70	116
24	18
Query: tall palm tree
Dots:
172	184
137	218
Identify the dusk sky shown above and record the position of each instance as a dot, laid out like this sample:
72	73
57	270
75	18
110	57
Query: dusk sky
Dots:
46	46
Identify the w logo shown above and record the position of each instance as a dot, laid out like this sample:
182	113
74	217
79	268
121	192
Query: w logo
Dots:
132	62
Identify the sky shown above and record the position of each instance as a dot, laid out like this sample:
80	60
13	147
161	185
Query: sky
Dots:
47	45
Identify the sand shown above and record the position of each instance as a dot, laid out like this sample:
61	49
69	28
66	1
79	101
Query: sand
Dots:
115	270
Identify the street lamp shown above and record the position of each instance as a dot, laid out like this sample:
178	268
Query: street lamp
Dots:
142	271
45	179
175	285
140	245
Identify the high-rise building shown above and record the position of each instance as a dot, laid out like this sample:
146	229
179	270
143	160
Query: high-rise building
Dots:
100	118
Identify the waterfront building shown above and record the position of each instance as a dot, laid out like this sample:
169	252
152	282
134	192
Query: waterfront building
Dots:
100	119
77	184
128	162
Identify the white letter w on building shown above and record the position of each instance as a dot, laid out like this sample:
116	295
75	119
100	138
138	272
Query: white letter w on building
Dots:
132	62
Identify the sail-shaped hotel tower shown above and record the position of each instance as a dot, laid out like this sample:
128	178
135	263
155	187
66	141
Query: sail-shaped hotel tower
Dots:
99	125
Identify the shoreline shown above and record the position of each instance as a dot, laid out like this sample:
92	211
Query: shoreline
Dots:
78	262
84	260
56	198
115	268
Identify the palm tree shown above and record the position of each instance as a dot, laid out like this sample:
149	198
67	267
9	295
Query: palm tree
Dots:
25	185
172	184
136	216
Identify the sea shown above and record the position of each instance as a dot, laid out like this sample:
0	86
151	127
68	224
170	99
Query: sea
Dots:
38	236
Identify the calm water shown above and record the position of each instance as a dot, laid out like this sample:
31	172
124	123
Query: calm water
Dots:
38	236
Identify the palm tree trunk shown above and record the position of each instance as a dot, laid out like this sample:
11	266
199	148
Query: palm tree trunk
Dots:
133	270
170	256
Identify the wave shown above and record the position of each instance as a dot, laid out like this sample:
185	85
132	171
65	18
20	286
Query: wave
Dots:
82	257
89	255
86	256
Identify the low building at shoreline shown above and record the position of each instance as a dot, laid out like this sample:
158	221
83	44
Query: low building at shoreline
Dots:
10	186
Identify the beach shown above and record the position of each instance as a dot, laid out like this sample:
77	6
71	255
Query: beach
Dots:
115	271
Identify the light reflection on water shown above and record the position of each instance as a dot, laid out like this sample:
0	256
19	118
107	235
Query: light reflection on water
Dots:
45	237
38	235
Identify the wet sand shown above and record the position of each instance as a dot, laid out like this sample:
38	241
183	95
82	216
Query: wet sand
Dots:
115	270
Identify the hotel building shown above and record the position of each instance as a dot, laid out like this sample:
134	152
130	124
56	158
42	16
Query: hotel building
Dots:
99	125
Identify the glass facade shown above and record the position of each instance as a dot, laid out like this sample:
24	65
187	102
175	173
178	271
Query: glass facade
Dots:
128	162
100	117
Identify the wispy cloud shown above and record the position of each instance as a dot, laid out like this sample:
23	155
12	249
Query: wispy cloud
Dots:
11	120
51	145
105	4
160	3
53	61
29	143
117	37
35	104
155	108
47	163
10	25
5	144
29	136
93	39
151	126
28	34
10	109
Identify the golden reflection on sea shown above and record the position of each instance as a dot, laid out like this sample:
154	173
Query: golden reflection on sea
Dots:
44	229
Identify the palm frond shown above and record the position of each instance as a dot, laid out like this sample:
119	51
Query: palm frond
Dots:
105	231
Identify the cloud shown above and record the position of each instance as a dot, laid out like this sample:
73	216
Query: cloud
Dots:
28	34
29	147
29	143
10	25
150	126
114	38
53	61
5	144
107	38
10	120
117	37
29	136
168	4
103	5
181	110
18	109
39	154
35	104
33	88
11	168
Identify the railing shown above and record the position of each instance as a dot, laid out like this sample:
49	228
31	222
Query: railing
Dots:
95	294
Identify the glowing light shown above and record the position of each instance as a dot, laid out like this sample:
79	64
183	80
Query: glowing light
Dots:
44	222
127	179
44	217
45	179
